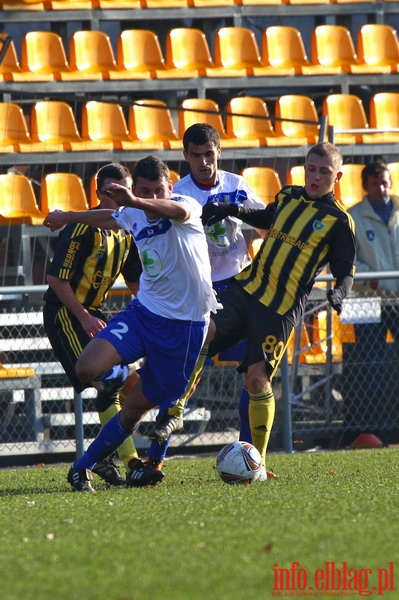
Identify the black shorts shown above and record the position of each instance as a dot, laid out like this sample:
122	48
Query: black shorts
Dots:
244	317
67	338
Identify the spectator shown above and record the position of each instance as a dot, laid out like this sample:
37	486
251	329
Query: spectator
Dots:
377	239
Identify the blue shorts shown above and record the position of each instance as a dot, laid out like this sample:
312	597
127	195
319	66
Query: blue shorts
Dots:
171	348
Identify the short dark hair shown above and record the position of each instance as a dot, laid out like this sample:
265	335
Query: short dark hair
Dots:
151	168
327	149
374	169
200	133
112	171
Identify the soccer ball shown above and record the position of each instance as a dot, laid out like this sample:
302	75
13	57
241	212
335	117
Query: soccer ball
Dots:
239	463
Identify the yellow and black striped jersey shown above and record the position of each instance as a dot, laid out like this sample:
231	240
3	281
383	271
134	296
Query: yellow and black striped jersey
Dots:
304	236
91	259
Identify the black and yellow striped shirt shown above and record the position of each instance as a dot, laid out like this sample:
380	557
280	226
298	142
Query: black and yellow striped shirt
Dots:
91	259
305	235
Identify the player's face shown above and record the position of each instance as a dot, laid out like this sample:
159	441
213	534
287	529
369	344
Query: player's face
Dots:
321	174
378	188
109	201
146	188
203	161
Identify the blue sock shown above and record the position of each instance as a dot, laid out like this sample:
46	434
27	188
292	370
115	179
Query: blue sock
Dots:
111	436
158	450
243	407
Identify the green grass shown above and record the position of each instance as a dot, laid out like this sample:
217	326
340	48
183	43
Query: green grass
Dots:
194	537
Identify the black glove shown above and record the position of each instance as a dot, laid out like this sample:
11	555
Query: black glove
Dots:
335	299
213	212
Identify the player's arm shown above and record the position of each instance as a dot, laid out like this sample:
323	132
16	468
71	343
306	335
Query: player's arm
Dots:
101	218
262	218
66	296
157	207
342	265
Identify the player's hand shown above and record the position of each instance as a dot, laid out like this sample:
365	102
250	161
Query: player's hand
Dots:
55	220
335	299
213	212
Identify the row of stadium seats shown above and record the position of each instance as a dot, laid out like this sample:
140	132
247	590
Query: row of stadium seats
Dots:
65	191
150	126
131	4
236	54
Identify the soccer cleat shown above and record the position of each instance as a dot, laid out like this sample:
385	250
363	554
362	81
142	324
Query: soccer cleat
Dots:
166	426
142	474
107	470
154	462
80	480
265	475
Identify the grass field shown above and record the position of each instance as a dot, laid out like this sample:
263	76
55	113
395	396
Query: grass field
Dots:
195	538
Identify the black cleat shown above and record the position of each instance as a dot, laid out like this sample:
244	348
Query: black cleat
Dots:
109	390
80	480
107	470
166	426
142	475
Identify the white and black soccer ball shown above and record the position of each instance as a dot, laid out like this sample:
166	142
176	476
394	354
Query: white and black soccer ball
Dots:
239	463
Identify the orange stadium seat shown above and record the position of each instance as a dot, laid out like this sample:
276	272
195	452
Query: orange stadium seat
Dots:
22	5
204	110
62	191
104	123
349	189
11	70
297	118
394	171
17	201
296	175
164	3
334	50
284	50
14	132
187	50
378	46
139	52
384	114
150	122
174	176
70	4
345	112
249	121
53	124
264	181
91	54
236	50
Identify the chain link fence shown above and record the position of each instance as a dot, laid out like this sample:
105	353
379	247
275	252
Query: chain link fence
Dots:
338	379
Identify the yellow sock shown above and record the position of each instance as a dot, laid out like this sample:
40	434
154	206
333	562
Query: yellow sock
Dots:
127	450
261	417
178	408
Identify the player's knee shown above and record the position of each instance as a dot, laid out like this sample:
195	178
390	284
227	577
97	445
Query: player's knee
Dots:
84	371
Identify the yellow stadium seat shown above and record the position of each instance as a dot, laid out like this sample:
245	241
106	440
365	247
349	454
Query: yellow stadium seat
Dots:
164	3
384	115
264	181
248	120
236	50
378	46
7	372
110	4
91	54
62	191
296	175
18	203
284	50
187	50
334	50
206	3
394	171
104	123
11	70
70	4
349	189
150	122
16	5
297	118
14	132
139	52
204	110
174	176
345	112
53	124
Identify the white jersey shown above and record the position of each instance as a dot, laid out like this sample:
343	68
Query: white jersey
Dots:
176	279
227	247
